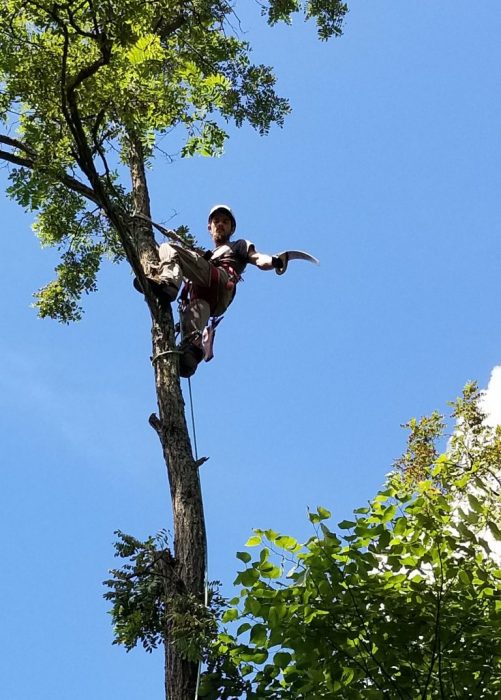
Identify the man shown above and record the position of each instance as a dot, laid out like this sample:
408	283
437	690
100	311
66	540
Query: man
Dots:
211	280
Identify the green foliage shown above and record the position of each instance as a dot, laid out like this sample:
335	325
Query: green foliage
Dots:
76	273
138	610
82	82
402	601
145	613
329	14
81	234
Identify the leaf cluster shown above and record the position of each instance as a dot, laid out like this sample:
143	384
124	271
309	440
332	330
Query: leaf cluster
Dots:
150	606
137	591
329	14
402	601
79	231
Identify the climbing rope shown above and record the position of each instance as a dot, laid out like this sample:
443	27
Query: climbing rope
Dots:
193	429
206	561
166	353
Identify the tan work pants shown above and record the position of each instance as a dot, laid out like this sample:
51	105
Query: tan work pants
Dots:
177	262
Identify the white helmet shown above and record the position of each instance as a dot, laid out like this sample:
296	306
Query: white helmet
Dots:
226	208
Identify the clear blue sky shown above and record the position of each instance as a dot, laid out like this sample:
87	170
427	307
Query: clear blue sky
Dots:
388	170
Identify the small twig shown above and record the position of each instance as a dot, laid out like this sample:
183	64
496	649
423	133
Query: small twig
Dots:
156	423
201	461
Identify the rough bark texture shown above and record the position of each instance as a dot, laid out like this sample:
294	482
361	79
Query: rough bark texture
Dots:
186	497
188	565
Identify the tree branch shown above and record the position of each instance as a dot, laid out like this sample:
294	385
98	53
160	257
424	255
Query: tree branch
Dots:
16	143
165	29
65	179
84	155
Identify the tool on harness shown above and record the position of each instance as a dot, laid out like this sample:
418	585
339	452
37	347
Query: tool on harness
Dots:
281	260
208	336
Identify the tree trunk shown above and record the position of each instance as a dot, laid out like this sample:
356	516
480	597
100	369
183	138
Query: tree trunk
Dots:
190	545
186	496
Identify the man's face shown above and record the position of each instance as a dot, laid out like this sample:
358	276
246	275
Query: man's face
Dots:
220	227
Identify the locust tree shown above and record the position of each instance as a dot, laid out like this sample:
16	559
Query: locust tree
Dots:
86	89
401	601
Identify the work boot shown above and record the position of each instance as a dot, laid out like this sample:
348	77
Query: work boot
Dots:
189	360
165	292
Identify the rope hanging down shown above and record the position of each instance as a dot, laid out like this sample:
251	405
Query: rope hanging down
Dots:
206	561
193	421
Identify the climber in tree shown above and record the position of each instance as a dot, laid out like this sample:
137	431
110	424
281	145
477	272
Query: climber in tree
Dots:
211	280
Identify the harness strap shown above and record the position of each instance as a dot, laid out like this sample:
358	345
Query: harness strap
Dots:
210	294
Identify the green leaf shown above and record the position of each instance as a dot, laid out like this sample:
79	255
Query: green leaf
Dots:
389	513
244	556
282	659
400	526
495	531
253	606
256	656
248	577
384	539
230	615
288	543
276	614
346	524
258	634
323	513
253	541
474	503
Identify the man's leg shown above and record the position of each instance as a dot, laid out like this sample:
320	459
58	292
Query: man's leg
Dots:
195	317
177	262
166	285
193	321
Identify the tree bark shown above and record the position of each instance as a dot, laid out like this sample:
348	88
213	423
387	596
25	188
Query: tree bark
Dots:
186	495
187	505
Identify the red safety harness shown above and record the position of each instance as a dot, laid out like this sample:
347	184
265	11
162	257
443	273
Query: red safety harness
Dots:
211	294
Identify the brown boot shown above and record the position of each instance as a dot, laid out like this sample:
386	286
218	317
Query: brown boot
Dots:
165	292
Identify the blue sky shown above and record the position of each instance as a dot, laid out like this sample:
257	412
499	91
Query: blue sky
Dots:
388	171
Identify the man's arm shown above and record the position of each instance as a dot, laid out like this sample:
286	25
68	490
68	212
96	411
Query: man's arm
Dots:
261	260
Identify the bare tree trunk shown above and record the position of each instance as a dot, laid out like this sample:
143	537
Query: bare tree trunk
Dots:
187	505
188	566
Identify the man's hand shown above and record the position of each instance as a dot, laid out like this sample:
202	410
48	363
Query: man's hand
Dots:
261	260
